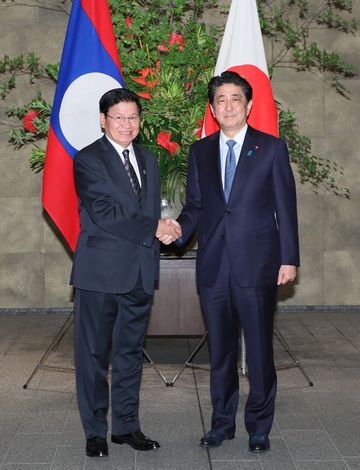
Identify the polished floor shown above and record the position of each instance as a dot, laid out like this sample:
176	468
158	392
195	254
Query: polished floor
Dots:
316	428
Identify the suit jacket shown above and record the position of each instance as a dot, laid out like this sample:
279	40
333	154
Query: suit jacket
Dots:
258	225
117	233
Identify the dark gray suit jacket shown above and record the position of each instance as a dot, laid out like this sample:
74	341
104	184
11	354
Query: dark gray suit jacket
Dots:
117	233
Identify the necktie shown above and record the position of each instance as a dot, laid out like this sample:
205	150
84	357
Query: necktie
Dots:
230	167
131	173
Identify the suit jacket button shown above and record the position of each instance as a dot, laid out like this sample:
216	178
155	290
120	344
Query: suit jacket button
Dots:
227	212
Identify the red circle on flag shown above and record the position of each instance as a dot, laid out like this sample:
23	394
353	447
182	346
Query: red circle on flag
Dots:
263	115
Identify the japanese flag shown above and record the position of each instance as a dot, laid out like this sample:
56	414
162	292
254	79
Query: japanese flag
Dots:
242	51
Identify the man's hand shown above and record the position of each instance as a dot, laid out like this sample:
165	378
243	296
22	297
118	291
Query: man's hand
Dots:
287	273
168	230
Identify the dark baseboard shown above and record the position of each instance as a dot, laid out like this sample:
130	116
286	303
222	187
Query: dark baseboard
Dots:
36	311
280	309
318	308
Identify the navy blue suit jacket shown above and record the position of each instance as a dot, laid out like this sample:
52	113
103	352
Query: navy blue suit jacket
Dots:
117	233
258	226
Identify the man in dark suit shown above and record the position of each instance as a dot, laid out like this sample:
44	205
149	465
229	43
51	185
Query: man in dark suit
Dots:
115	267
241	198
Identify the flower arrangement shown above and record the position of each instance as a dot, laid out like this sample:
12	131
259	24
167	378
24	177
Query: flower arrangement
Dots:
167	58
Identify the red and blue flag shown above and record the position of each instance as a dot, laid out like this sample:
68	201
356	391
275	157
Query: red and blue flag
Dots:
89	67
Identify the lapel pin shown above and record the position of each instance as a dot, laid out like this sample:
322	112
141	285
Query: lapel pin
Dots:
144	172
250	152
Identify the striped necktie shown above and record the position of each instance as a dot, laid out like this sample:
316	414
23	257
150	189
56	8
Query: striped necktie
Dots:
131	173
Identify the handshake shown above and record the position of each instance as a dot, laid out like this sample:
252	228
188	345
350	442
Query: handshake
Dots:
168	230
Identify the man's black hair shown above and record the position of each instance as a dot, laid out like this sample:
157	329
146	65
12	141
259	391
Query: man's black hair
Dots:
118	95
229	77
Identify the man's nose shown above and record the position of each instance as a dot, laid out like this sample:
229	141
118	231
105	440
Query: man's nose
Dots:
126	124
228	104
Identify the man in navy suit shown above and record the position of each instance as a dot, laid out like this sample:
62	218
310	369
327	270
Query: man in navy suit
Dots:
116	265
241	198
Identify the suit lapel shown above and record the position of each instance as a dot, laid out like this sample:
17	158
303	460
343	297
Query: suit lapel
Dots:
245	163
116	166
142	170
112	158
212	156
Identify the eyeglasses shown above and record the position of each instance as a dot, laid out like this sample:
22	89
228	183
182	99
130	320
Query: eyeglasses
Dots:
122	119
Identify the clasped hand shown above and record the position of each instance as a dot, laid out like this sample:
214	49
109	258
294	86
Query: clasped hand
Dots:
168	230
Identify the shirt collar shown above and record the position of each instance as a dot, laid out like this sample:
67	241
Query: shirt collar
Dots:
239	138
119	148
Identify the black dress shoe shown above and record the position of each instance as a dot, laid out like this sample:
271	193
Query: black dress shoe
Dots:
96	447
214	438
258	442
136	440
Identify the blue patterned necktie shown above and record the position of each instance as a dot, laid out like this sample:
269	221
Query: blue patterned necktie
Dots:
230	167
131	173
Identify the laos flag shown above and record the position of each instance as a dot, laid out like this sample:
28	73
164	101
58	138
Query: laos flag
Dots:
242	51
89	67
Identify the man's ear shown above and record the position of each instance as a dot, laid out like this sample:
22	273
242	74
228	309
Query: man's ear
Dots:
248	108
102	121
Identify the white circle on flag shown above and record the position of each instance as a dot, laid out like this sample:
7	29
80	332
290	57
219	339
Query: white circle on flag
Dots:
79	113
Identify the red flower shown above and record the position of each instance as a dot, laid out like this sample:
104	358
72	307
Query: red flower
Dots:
29	119
163	139
128	21
188	85
177	39
198	130
152	84
173	40
144	73
145	95
162	48
139	80
143	82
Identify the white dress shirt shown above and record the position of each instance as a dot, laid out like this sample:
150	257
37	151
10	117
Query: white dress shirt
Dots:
132	157
239	139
